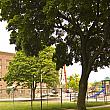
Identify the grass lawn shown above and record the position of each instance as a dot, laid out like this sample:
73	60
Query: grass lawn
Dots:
49	106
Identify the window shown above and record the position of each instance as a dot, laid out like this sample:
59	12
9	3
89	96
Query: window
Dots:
6	67
0	75
7	63
0	61
0	88
0	67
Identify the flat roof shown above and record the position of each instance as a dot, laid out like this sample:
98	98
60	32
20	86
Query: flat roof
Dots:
106	79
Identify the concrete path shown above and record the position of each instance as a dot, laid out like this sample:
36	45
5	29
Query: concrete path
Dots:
103	106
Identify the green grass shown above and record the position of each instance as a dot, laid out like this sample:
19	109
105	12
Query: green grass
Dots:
91	104
49	106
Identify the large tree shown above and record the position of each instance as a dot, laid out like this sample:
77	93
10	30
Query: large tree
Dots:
26	71
36	23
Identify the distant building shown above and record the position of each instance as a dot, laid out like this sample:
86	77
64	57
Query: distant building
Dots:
5	58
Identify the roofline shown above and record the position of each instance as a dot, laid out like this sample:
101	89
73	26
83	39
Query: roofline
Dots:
1	52
106	80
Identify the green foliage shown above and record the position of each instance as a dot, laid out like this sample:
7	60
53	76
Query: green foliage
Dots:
21	69
86	24
24	70
10	90
73	82
23	20
96	86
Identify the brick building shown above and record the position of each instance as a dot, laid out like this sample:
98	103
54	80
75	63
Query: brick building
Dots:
5	58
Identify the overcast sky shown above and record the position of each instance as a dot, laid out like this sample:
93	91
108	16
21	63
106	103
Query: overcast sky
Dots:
4	39
76	68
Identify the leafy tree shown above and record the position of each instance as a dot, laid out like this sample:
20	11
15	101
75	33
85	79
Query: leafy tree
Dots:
47	67
85	23
96	86
73	82
26	71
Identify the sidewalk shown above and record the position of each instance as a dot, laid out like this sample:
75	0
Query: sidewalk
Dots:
27	99
103	106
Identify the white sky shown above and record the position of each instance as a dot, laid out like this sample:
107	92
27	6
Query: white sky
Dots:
4	39
94	76
76	68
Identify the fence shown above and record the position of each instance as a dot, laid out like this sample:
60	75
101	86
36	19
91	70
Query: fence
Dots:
49	94
41	94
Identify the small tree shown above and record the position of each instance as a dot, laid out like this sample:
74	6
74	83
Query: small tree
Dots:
73	82
27	70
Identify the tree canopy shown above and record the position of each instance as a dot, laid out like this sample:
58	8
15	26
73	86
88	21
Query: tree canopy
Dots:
32	23
24	70
86	24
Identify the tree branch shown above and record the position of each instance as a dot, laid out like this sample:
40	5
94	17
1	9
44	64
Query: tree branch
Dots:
92	59
74	22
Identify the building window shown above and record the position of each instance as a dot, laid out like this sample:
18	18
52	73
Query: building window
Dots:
0	61
6	67
0	75
7	62
0	88
0	67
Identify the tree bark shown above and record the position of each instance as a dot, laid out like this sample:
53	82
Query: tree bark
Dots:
82	91
33	89
33	94
85	74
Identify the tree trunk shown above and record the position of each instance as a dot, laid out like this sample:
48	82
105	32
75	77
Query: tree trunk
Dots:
33	90
33	93
86	69
82	91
